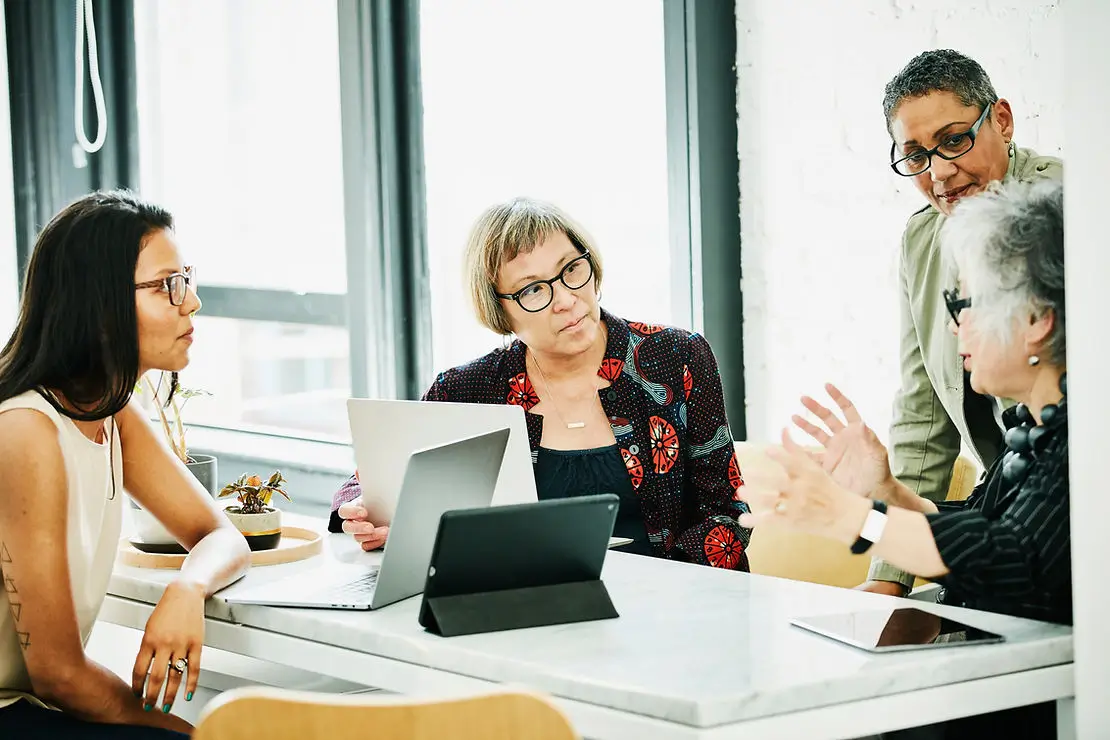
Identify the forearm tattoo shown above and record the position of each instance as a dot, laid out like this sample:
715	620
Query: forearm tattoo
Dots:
13	598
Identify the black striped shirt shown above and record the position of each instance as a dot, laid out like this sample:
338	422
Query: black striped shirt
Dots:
1008	548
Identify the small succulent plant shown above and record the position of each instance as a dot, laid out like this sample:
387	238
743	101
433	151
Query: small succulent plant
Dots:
254	496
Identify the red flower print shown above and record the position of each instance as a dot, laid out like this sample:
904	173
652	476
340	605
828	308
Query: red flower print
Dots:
722	549
664	444
687	381
611	369
634	466
644	329
735	479
521	392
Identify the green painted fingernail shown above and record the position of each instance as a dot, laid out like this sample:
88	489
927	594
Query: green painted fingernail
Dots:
147	707
189	696
165	709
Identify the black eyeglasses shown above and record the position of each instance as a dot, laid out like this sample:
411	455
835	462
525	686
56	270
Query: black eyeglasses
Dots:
536	296
175	285
952	146
955	304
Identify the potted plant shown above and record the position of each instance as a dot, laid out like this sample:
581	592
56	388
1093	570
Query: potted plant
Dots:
259	522
203	467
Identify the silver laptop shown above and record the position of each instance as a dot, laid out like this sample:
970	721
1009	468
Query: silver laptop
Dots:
385	433
456	475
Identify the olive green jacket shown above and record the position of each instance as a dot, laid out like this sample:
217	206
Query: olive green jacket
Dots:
935	407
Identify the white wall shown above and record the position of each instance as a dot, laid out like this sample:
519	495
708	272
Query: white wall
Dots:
1087	71
9	280
821	212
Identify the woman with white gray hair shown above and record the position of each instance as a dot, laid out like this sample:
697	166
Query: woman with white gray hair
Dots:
1005	549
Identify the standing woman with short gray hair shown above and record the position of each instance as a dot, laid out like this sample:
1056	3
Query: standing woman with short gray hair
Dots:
952	137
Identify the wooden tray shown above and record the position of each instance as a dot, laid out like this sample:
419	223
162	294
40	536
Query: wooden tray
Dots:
296	543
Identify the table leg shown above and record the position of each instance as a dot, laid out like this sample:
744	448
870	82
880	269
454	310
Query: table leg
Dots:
1065	718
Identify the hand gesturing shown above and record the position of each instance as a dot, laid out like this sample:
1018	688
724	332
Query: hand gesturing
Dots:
853	456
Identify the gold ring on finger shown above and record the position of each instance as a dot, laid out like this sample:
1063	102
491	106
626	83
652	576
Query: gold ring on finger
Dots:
180	664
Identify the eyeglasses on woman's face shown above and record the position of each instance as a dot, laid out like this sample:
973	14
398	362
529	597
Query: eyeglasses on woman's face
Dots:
176	286
955	304
536	296
951	146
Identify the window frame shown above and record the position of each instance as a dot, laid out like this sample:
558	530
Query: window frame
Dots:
704	184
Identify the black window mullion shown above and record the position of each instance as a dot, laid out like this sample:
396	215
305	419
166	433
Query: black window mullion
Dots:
48	167
388	311
703	164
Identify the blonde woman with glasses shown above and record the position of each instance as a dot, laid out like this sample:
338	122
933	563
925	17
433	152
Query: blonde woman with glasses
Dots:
612	406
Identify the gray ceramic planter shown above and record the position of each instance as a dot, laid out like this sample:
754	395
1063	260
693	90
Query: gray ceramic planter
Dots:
150	529
203	468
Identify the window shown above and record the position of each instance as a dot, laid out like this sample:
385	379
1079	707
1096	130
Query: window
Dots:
563	100
324	175
267	379
239	136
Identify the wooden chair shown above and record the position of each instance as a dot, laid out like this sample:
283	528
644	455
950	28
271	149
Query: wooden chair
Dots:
277	714
778	551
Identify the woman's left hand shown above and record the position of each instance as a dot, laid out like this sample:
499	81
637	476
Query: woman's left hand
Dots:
806	498
174	633
852	454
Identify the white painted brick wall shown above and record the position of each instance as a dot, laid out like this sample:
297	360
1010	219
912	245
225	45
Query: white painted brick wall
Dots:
821	212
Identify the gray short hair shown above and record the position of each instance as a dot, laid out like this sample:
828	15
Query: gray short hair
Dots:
1008	243
942	70
501	233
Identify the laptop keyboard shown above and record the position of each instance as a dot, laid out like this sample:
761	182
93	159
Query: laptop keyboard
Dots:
361	588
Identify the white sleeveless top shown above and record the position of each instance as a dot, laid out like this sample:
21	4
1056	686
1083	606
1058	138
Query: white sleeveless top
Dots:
93	514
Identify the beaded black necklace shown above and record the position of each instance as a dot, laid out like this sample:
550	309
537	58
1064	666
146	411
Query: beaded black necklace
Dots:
1028	438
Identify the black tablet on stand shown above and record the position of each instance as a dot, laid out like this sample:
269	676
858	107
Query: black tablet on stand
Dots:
525	565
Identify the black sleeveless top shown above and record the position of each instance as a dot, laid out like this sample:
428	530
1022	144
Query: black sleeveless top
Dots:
568	473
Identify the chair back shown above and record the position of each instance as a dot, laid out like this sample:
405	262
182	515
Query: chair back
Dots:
277	714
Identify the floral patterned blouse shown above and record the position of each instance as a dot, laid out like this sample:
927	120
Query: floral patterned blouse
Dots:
666	407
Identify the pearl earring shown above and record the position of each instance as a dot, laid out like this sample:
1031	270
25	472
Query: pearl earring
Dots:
1034	360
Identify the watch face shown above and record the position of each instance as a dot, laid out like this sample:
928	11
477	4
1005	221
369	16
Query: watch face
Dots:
873	526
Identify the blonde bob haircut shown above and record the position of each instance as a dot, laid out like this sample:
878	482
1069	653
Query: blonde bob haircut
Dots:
501	233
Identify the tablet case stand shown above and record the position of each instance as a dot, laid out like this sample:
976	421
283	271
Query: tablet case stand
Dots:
533	606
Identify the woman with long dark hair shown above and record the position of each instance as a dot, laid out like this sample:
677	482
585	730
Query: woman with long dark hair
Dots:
106	298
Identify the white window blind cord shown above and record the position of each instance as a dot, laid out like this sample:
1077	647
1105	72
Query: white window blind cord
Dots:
85	18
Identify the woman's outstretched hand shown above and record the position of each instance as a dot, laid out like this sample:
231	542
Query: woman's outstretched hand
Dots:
802	496
852	455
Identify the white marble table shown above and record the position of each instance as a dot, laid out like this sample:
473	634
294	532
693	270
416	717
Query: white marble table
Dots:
696	653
